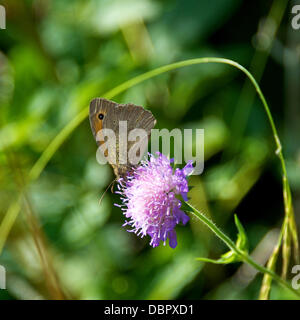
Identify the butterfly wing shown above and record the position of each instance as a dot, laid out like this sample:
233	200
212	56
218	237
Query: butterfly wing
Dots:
112	113
137	118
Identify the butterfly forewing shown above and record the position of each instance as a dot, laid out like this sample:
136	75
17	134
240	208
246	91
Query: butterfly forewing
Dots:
106	114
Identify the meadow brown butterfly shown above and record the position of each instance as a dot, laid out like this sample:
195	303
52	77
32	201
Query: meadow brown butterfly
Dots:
106	114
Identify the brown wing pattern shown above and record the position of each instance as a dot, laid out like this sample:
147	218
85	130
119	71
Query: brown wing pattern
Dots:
136	117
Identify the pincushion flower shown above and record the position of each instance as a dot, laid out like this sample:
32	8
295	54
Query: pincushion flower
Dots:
149	199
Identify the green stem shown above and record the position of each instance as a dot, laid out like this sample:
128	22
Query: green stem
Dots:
62	136
241	254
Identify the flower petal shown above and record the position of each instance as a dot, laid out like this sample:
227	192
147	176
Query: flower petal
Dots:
188	169
172	239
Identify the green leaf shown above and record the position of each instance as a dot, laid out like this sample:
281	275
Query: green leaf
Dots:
226	258
242	241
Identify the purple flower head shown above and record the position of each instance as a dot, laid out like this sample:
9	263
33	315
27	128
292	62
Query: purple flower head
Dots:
149	199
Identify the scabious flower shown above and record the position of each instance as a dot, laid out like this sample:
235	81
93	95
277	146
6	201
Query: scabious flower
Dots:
149	199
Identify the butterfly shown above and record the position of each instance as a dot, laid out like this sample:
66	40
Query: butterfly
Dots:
106	114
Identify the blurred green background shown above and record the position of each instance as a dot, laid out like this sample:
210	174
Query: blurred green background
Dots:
55	56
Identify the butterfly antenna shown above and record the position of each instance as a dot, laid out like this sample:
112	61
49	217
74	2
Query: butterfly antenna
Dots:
103	194
112	185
